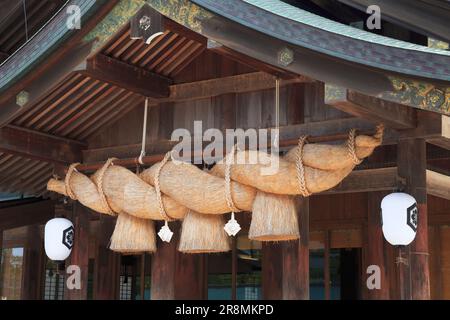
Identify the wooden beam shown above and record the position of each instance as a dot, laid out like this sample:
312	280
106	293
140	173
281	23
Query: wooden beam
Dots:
80	252
40	146
21	215
246	82
391	114
249	61
444	140
411	159
367	180
438	184
126	76
370	180
296	258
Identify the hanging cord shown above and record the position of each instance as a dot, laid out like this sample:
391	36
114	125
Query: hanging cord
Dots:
101	174
232	227
300	168
162	210
228	197
69	191
276	139
351	147
144	134
26	22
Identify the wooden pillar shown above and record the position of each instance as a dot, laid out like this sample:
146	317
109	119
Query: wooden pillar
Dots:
107	263
272	271
411	158
286	266
374	250
33	264
175	275
80	252
326	266
296	258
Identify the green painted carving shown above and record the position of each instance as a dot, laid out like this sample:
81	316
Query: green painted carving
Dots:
184	12
114	20
420	95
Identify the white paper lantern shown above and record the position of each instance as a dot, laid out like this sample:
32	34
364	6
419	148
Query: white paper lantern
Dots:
399	214
58	239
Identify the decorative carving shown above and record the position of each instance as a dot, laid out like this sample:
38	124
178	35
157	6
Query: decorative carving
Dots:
285	56
420	95
22	98
184	12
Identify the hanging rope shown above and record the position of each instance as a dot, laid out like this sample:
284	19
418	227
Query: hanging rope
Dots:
69	191
101	174
162	210
300	168
276	141
228	197
351	147
144	134
26	22
232	227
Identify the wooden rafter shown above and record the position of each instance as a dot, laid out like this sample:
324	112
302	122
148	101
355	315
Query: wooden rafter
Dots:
233	84
126	76
389	113
36	145
26	214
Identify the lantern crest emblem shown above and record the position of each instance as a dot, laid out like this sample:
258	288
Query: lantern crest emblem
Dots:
67	238
412	214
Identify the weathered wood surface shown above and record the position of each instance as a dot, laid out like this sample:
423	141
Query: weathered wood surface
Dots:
412	167
40	146
126	76
80	252
295	270
176	275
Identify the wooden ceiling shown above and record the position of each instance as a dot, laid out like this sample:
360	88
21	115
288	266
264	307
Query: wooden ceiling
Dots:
166	55
81	105
12	21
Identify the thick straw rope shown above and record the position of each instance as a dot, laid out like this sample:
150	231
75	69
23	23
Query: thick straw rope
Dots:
69	191
228	197
351	147
101	174
162	210
301	168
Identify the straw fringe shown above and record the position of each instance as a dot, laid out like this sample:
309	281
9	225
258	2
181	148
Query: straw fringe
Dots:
203	233
274	218
133	235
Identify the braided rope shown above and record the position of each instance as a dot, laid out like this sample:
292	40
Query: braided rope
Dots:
351	147
69	191
101	174
162	210
228	197
301	168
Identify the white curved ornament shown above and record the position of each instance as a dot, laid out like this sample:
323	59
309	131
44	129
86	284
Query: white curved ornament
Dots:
58	238
399	214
